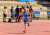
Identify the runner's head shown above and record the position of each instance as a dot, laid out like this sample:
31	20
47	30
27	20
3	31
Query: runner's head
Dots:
25	9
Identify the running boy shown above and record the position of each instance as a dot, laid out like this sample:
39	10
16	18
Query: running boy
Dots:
25	19
4	14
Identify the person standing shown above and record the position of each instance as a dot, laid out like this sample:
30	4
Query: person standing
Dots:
12	15
31	13
22	13
17	13
4	14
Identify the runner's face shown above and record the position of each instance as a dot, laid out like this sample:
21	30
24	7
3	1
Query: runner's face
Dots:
25	10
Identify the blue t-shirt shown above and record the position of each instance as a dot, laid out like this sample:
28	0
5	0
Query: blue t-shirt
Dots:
26	14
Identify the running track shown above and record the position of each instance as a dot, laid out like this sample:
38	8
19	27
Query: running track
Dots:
37	27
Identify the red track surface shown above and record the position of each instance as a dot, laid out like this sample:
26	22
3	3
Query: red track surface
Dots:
37	27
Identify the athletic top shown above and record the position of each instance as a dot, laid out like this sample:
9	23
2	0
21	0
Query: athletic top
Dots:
22	11
26	14
12	11
4	11
17	10
27	10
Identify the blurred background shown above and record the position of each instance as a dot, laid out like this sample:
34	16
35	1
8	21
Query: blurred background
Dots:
41	8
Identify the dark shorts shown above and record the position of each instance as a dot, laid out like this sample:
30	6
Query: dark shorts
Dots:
17	14
20	16
29	15
12	15
5	15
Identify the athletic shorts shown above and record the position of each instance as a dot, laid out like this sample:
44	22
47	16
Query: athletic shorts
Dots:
17	14
12	15
5	15
29	15
26	20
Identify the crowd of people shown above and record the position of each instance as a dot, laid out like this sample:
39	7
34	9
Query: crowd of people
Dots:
24	13
19	13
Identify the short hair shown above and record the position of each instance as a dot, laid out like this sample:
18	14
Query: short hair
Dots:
5	7
27	6
17	5
30	6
